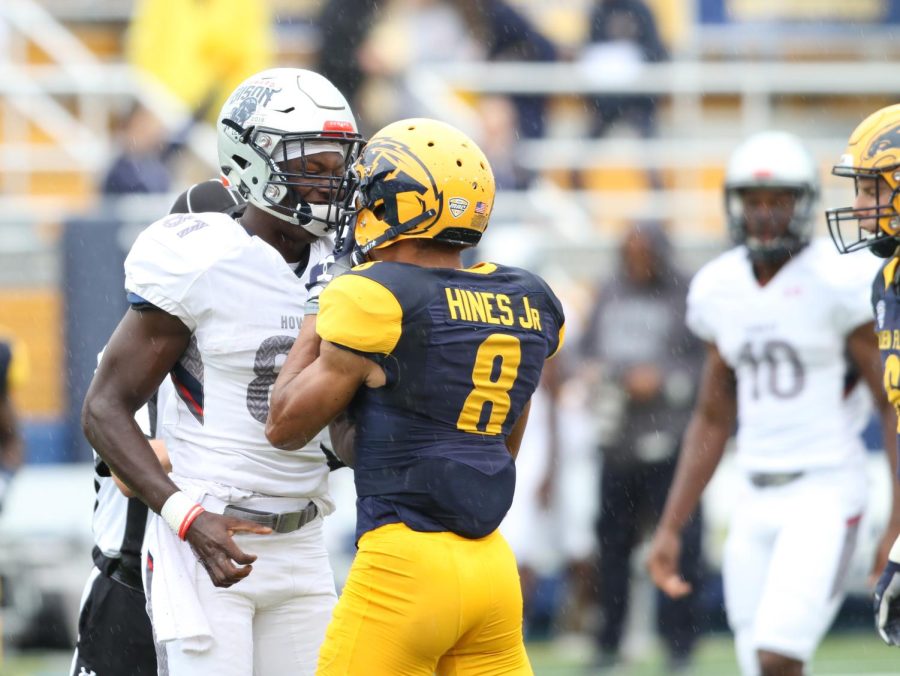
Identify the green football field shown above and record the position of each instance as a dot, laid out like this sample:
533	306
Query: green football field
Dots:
847	654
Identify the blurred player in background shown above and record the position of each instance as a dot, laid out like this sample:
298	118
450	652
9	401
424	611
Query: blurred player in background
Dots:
437	364
217	302
789	343
872	160
648	372
13	369
114	632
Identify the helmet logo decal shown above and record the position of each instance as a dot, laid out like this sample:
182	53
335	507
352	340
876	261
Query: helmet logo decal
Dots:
242	112
385	162
885	140
250	97
457	205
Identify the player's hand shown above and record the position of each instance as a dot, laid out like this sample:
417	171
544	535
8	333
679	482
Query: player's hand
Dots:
210	536
643	383
321	274
662	563
887	604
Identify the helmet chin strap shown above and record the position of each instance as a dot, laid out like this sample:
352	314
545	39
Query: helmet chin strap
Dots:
885	247
319	219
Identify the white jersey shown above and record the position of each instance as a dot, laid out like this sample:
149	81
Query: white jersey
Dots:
243	305
786	343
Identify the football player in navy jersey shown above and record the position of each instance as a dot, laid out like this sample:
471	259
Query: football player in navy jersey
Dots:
872	160
435	365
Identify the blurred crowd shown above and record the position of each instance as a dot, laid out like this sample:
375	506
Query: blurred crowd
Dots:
366	48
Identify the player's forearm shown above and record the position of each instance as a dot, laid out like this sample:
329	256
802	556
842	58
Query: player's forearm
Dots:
343	436
302	354
312	399
889	439
702	449
300	409
117	438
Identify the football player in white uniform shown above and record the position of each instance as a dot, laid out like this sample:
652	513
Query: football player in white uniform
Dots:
789	340
114	633
217	303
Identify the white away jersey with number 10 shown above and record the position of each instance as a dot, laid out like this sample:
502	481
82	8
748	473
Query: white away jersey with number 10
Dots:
243	305
786	343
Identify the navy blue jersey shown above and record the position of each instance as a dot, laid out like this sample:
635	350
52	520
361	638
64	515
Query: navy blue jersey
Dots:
463	352
886	305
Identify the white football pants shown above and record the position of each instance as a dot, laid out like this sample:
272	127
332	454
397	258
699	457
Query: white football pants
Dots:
270	623
785	560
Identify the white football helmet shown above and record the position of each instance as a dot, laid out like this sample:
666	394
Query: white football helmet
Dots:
773	160
278	115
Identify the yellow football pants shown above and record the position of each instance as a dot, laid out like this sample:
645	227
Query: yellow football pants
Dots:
417	604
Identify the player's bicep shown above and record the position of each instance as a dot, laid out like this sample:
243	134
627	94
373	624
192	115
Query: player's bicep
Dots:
349	369
139	355
717	397
862	346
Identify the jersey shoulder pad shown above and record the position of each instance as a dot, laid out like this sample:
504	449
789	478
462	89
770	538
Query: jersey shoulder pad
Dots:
172	253
704	287
887	274
882	282
835	270
359	312
845	282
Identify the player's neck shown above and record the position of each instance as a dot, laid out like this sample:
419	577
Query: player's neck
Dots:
409	251
291	241
766	271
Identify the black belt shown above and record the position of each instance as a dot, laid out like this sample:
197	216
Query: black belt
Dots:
119	570
771	479
286	522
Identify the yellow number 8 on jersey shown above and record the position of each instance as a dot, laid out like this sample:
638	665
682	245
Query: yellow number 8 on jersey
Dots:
508	350
892	383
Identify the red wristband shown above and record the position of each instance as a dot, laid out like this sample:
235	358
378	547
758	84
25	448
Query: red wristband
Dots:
189	518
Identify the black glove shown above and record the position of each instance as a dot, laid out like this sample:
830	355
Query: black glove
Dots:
333	461
887	603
